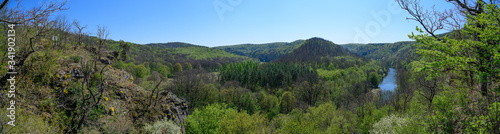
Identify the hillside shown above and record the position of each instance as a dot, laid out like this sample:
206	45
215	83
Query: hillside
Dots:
171	45
351	46
177	52
389	53
322	52
264	52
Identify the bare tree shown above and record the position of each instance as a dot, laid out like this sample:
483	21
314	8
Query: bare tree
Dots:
90	99
16	15
79	31
102	35
433	20
34	24
62	27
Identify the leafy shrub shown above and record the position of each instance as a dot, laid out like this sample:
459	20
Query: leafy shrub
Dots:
76	59
322	119
241	122
164	126
177	67
25	123
207	120
119	65
140	71
389	124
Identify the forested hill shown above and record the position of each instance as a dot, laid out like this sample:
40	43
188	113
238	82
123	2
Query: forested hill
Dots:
389	53
172	45
264	52
169	54
321	52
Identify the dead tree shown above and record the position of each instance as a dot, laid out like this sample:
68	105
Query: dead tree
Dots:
452	19
79	32
90	99
35	24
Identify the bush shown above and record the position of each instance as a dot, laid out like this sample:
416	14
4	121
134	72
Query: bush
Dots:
76	59
389	125
325	118
207	121
177	67
162	127
26	122
119	65
241	122
140	71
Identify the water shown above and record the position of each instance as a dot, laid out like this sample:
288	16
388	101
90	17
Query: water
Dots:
389	82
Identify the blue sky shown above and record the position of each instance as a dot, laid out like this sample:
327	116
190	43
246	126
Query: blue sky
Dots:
244	21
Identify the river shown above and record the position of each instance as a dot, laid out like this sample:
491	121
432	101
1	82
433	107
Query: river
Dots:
389	82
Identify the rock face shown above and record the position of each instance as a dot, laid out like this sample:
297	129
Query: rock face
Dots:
66	75
161	105
124	98
174	107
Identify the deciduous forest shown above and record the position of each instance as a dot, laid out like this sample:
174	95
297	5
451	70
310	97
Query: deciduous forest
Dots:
71	81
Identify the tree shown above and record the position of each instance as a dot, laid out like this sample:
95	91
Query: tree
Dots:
90	95
125	48
469	53
177	67
287	102
63	27
35	24
16	15
79	31
189	66
310	92
473	49
374	79
102	35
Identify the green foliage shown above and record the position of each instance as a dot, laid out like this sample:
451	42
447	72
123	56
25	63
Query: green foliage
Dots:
241	122
95	80
207	120
176	52
208	94
164	126
322	119
239	97
125	47
140	71
389	53
390	124
320	53
270	75
346	84
264	52
76	59
369	115
119	65
311	92
374	79
189	66
26	122
478	52
270	104
199	53
177	67
287	102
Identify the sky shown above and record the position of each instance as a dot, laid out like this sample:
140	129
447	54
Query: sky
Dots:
229	22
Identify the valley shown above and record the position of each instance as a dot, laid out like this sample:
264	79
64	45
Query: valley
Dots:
65	77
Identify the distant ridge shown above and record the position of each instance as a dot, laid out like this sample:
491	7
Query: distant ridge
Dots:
315	49
172	45
264	52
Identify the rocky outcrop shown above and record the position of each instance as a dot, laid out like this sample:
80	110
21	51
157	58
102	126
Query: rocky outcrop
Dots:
174	107
65	75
